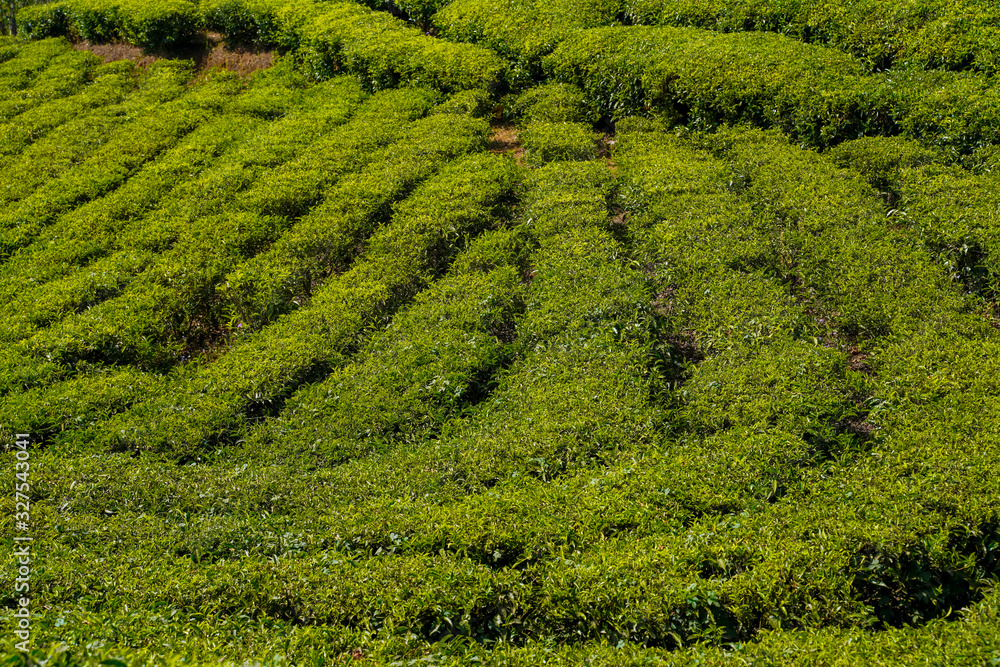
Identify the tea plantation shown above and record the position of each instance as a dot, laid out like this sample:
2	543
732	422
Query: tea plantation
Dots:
501	332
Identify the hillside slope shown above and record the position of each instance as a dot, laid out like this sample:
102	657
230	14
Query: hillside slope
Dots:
479	332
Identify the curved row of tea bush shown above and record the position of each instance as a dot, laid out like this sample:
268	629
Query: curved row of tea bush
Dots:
171	300
331	37
579	419
694	76
742	566
24	62
141	216
435	357
401	258
39	300
713	391
840	542
156	24
63	75
738	579
8	48
117	157
724	575
521	32
815	94
953	210
560	325
130	237
570	402
973	639
160	290
109	85
32	176
928	34
701	78
240	152
494	527
326	240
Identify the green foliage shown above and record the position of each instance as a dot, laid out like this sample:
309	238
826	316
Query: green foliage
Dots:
953	111
77	403
954	214
703	79
552	103
45	20
9	48
926	34
547	142
114	159
326	240
817	94
431	361
427	229
109	85
413	11
43	70
474	102
335	37
162	24
87	260
880	160
520	31
39	167
314	376
929	33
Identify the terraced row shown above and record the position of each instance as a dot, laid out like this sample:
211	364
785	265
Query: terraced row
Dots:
312	374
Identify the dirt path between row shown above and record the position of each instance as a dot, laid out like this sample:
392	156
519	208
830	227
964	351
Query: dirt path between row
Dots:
210	55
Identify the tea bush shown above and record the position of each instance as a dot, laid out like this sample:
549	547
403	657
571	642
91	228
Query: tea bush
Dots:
120	157
38	166
521	32
317	372
702	79
63	75
327	239
949	209
930	34
93	230
552	103
162	24
547	142
729	592
400	259
130	253
173	298
435	357
926	34
110	84
25	62
343	36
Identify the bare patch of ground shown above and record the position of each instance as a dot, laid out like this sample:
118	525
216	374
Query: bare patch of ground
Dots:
619	216
990	312
859	428
112	52
858	361
209	55
243	61
506	139
605	144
